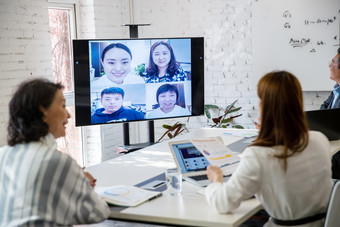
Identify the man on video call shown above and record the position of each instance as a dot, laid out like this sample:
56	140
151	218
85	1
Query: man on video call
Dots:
333	101
112	101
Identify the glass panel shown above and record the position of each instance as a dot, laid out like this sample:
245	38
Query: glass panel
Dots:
71	143
59	22
61	47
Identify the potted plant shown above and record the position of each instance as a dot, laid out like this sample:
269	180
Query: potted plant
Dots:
173	130
224	118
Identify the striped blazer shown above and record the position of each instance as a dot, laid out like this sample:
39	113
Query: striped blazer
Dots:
40	186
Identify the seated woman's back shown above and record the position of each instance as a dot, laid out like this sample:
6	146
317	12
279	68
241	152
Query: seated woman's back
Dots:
304	188
287	167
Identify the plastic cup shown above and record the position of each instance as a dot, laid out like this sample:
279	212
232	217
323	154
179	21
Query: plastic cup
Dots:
174	181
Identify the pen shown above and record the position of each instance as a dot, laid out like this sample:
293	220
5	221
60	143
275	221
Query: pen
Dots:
154	197
228	164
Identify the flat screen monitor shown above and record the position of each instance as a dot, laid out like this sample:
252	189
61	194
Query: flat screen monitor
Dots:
127	80
325	121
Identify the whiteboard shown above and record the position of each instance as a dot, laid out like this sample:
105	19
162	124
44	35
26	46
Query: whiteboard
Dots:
300	36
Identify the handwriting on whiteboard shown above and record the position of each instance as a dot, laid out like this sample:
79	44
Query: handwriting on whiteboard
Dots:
307	41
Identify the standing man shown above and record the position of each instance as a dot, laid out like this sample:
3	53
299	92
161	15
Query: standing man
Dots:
333	101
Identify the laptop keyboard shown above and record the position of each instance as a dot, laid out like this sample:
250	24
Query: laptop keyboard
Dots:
205	177
199	177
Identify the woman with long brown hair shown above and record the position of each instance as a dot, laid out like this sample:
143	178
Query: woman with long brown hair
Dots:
288	168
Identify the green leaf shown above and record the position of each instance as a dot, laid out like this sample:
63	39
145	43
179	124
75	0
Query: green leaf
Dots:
210	106
238	126
227	109
226	120
167	126
207	113
234	110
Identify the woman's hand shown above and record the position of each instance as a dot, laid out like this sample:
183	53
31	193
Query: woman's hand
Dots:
215	174
91	179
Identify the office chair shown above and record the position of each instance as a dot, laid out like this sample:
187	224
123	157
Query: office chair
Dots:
333	211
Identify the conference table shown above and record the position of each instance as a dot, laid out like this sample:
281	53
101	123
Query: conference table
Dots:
188	209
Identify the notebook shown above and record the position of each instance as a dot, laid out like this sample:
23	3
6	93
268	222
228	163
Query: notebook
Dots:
129	196
191	162
325	121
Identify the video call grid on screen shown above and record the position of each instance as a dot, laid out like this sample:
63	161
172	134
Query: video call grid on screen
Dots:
139	94
142	96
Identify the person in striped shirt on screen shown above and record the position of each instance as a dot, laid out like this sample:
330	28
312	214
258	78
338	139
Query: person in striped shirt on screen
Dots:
40	186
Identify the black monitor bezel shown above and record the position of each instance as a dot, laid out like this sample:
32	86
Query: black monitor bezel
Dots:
82	78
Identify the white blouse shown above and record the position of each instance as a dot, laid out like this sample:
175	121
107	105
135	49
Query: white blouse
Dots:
302	191
104	82
178	111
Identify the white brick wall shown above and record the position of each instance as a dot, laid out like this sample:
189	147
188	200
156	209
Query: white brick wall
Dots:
225	24
86	19
24	49
96	21
104	19
109	18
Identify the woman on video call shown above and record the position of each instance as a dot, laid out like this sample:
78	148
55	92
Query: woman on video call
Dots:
288	168
167	96
163	66
116	60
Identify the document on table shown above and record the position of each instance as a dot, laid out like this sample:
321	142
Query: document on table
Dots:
214	150
240	133
123	195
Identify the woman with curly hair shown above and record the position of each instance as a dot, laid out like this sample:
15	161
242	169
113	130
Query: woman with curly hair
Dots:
38	184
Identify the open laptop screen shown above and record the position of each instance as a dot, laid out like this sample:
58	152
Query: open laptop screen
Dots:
189	158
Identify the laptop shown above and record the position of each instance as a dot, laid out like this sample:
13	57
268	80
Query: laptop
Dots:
191	162
325	121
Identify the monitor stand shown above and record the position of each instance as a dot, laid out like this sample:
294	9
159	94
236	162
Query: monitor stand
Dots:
133	147
127	147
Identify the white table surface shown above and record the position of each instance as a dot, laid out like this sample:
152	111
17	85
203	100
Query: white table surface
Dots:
189	209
